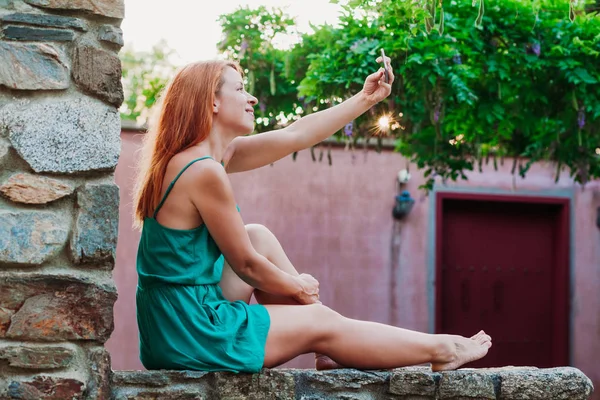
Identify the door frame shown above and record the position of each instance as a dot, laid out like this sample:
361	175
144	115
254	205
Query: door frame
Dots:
563	198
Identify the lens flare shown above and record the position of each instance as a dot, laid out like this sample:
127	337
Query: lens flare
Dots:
384	123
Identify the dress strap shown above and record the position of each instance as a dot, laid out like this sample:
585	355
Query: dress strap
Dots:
162	201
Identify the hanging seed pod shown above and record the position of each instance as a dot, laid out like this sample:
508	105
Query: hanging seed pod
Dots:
481	11
329	159
272	81
251	81
430	19
571	11
321	155
294	155
441	28
312	153
287	66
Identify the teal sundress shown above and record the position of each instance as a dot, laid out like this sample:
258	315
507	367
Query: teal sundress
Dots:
184	321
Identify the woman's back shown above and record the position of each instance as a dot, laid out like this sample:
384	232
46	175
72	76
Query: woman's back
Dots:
177	256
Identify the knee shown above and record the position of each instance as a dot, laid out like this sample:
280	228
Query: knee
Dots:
326	320
257	233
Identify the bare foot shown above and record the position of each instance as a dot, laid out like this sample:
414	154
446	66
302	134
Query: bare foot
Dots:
322	363
467	350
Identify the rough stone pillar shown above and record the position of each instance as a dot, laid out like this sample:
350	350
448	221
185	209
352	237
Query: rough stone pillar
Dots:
60	89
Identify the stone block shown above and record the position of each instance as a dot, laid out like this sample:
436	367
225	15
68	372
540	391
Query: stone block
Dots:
466	384
32	67
98	72
52	308
98	386
39	357
111	34
414	383
30	34
5	315
94	238
4	150
171	395
34	189
64	136
31	237
106	8
142	379
46	388
554	383
45	20
268	385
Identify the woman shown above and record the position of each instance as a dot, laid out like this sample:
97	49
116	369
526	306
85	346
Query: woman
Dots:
199	265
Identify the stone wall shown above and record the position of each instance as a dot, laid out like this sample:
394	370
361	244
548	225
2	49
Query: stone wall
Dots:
60	89
416	383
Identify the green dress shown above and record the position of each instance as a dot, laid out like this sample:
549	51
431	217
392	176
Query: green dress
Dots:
184	321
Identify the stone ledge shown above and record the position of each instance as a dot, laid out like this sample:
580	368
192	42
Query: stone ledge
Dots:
509	383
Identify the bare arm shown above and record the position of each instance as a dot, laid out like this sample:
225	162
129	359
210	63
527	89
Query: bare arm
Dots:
213	197
252	152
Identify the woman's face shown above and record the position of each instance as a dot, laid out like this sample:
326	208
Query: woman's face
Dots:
234	107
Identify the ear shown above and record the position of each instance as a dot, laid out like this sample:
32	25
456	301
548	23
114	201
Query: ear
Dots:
216	106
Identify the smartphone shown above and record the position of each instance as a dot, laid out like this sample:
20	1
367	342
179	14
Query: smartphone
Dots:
385	68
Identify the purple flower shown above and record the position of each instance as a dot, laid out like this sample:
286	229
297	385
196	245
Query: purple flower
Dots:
348	129
262	106
536	48
244	45
581	118
457	59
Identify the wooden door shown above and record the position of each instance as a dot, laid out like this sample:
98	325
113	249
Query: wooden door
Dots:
502	266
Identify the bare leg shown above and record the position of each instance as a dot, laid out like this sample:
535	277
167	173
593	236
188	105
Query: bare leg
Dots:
363	345
234	288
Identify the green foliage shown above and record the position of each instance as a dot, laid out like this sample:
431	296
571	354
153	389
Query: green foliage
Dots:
144	76
248	37
475	82
519	80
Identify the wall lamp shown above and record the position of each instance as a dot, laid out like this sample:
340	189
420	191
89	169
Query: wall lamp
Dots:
404	203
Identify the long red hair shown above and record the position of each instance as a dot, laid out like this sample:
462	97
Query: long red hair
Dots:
185	116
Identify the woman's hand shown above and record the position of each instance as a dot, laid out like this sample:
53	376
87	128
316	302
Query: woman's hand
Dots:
375	88
310	290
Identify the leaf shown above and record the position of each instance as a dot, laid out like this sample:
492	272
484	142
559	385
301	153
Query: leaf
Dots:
584	76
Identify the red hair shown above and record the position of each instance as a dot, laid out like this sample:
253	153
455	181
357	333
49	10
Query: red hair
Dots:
184	120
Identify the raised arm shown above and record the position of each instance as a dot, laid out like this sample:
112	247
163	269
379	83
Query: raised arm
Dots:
213	197
255	151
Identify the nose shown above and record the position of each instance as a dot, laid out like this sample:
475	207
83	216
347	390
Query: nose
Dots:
252	100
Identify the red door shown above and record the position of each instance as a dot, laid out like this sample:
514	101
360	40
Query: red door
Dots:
502	266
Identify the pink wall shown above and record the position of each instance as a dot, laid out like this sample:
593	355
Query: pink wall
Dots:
335	223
